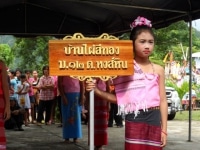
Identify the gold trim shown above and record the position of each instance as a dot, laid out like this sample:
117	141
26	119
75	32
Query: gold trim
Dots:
83	78
80	36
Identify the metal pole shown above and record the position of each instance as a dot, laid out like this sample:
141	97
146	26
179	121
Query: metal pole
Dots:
190	78
92	120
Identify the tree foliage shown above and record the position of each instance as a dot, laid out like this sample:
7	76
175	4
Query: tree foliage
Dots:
31	53
6	54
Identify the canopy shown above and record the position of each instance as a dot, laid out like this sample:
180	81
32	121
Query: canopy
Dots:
90	17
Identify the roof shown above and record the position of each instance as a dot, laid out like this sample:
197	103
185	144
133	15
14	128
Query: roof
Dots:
90	17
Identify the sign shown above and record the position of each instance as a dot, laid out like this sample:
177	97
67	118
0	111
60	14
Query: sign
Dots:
90	57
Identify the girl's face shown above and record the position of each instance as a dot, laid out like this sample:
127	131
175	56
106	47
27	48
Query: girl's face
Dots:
18	73
46	71
144	45
35	74
28	74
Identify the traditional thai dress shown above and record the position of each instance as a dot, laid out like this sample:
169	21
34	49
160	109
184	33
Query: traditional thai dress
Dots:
71	113
138	96
2	107
100	117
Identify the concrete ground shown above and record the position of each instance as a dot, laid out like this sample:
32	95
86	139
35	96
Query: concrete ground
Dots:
49	137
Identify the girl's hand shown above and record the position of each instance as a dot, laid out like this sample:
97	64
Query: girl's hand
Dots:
90	85
163	139
6	113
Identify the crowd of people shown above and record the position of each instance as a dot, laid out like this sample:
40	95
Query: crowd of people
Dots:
34	94
33	99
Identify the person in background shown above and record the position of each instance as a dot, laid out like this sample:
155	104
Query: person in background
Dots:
101	109
71	92
4	102
36	91
142	95
13	85
30	81
59	107
16	120
23	97
18	73
113	113
46	86
54	102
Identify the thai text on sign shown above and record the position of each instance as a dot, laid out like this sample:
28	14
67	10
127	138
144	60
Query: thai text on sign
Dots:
90	57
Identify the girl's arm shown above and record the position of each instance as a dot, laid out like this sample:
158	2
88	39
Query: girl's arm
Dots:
41	85
163	106
5	86
91	85
61	90
50	86
20	89
36	86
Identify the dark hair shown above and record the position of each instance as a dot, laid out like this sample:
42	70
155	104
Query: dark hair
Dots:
26	71
18	70
12	72
22	76
45	68
138	30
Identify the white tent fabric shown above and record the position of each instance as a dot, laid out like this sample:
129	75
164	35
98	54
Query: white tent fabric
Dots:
197	54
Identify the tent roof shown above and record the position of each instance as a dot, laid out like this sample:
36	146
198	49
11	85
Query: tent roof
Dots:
90	17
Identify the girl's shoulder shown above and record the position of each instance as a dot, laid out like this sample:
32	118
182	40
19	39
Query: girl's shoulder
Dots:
158	69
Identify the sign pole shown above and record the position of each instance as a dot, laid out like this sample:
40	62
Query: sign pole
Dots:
92	120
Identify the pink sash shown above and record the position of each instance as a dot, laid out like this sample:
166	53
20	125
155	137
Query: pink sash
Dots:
140	91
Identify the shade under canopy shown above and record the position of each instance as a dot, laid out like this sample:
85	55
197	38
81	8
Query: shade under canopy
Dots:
90	17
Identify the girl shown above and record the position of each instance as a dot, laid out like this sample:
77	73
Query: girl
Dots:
23	97
30	80
35	83
142	95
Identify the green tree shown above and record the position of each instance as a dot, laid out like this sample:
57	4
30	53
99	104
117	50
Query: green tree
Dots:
6	54
31	53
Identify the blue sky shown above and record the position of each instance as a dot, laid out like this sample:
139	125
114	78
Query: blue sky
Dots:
196	24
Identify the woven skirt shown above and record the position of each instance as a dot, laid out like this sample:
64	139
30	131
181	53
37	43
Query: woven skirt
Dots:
2	130
144	131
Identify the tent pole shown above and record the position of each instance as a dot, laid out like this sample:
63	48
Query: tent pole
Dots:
190	78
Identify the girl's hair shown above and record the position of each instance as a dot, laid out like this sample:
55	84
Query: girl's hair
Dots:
12	72
22	76
26	71
18	70
45	68
138	30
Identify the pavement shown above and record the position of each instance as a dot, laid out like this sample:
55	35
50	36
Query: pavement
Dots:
49	137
